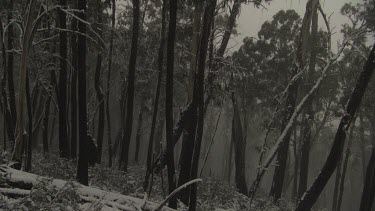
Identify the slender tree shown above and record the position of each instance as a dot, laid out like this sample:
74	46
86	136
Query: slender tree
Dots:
98	88
73	88
82	169
169	100
157	96
130	89
62	96
108	113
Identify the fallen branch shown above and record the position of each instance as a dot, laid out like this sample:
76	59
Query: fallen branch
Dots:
175	192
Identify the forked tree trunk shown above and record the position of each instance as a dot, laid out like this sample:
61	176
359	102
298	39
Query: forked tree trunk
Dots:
311	195
130	89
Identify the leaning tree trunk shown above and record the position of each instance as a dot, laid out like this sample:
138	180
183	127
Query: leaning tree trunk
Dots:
130	89
157	96
108	113
169	99
98	89
311	195
62	96
208	18
82	169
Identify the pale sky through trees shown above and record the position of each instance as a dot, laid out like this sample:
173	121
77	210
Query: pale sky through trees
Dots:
251	18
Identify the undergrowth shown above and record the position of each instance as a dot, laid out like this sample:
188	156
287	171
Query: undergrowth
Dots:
212	194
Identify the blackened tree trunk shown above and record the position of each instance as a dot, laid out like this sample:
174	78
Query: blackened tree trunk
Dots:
157	96
208	18
240	149
169	100
73	89
130	89
368	192
108	113
10	68
98	89
46	124
184	116
282	155
337	186
82	169
311	195
8	120
139	133
345	167
62	97
30	125
308	117
363	146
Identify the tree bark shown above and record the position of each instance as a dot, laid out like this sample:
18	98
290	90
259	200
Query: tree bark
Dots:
82	169
169	100
208	18
30	125
240	149
62	97
73	88
139	133
310	196
157	96
98	89
108	113
130	89
10	68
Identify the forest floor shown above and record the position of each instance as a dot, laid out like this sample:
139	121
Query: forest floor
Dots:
212	195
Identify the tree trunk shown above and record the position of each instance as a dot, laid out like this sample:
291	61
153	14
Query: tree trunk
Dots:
62	97
337	186
308	117
45	124
108	113
30	125
130	89
73	89
310	196
169	100
240	149
139	132
98	89
363	146
26	44
208	18
10	68
345	167
82	169
157	96
282	155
